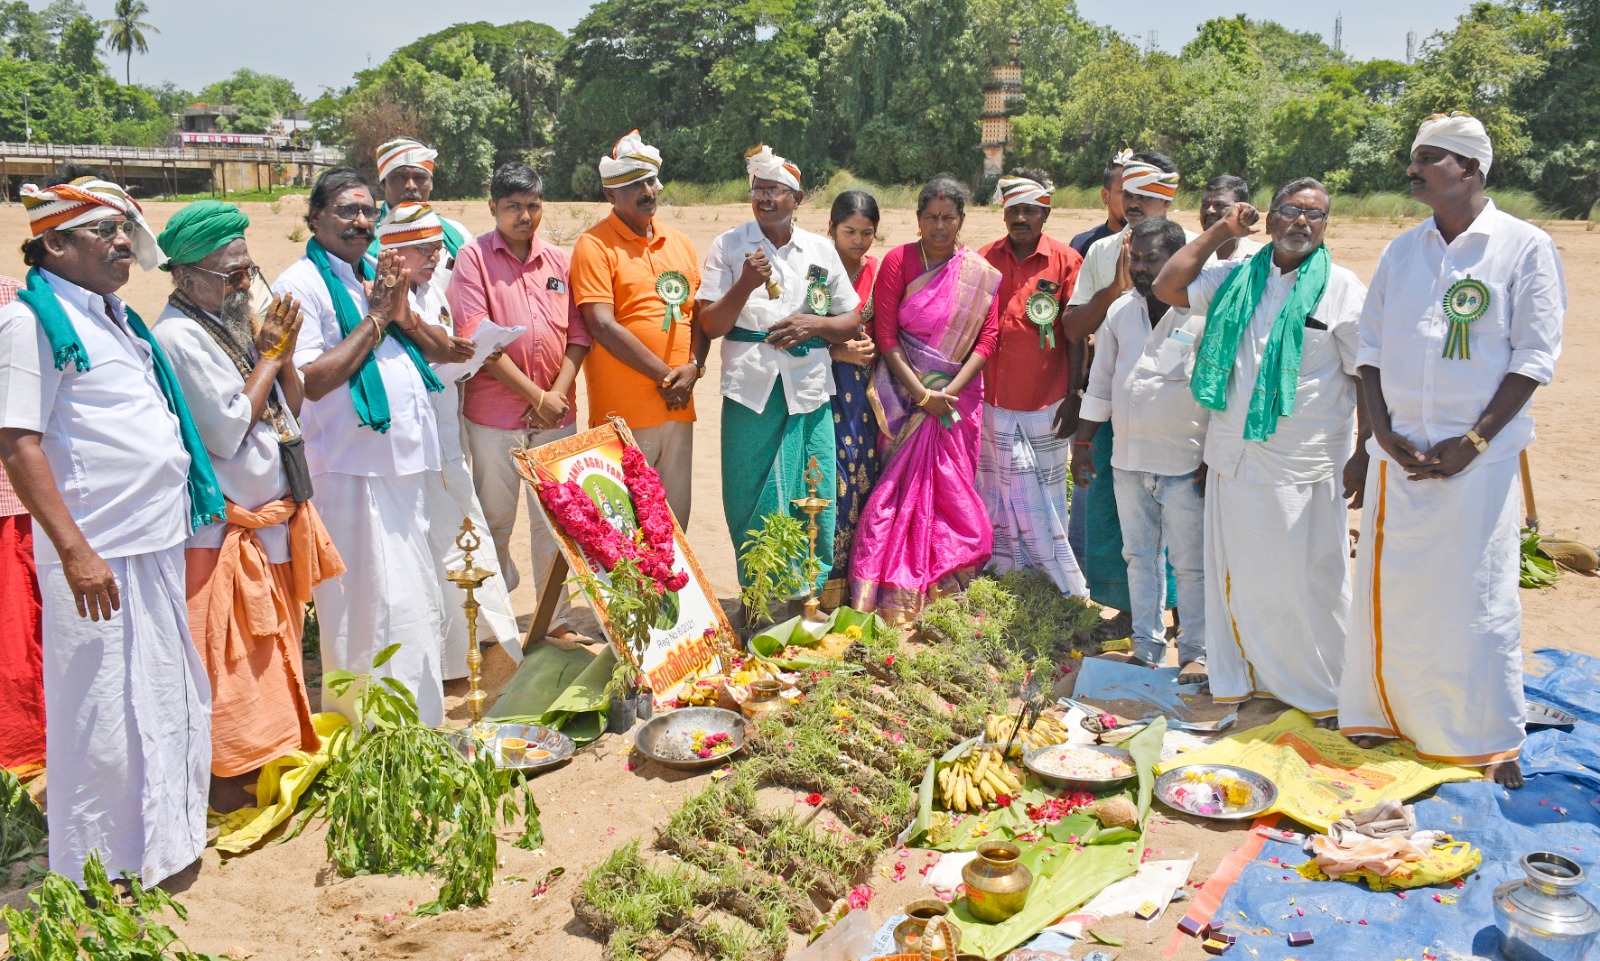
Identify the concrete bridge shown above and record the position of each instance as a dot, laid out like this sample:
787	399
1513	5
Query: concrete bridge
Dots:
155	172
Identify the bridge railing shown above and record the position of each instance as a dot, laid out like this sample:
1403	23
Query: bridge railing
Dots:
188	154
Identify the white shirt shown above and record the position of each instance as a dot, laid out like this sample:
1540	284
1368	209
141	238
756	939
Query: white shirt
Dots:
244	451
749	370
1403	328
336	440
429	304
1100	266
1317	439
109	437
440	281
1140	382
1244	250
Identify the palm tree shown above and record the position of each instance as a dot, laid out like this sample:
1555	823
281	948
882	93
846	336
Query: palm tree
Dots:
125	31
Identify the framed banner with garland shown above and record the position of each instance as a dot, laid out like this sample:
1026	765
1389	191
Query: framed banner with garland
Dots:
602	466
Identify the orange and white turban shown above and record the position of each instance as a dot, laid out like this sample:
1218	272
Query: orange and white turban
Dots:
85	201
404	152
762	163
630	161
1148	180
1022	190
1459	133
408	225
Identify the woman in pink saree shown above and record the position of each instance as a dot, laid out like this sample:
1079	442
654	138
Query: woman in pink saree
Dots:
924	531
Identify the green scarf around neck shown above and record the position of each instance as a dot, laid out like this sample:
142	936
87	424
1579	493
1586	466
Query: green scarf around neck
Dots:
366	387
1226	323
205	497
453	238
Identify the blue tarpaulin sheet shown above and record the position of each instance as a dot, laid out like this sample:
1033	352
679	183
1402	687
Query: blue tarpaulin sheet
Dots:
1102	679
1558	810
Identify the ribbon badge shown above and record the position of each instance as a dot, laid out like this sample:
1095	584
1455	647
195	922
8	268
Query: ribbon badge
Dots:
1464	302
818	299
1042	311
673	287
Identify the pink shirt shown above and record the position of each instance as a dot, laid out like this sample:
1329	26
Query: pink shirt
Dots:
898	269
490	281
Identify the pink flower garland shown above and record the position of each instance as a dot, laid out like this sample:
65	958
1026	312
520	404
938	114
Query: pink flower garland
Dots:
578	517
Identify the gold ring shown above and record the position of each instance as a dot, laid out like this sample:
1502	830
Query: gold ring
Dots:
388	281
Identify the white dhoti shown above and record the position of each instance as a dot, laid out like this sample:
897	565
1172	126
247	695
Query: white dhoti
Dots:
128	724
1022	478
1435	642
389	594
1277	592
451	499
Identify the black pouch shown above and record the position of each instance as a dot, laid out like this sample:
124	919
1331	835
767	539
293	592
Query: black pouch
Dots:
295	468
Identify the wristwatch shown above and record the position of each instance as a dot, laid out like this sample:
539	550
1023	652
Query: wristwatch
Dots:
1476	440
700	367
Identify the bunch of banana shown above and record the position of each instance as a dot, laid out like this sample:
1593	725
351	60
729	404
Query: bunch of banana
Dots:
1044	732
976	779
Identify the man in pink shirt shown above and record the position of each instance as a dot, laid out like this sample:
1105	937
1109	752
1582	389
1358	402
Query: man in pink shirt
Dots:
524	397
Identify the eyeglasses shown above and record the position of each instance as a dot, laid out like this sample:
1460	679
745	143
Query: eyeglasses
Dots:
106	229
240	278
767	193
1291	212
352	211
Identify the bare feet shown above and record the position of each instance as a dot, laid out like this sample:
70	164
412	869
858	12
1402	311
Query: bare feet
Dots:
566	638
1507	774
1368	741
230	794
1193	672
1329	723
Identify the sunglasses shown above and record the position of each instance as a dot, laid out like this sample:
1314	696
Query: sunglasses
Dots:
105	229
1291	212
240	278
352	211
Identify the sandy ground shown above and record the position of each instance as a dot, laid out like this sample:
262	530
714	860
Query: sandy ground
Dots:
284	901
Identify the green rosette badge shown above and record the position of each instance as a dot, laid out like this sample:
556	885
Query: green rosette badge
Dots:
1464	302
673	287
1042	310
818	299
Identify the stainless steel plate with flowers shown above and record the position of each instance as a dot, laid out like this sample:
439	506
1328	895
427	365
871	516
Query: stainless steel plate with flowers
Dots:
546	747
691	738
1221	792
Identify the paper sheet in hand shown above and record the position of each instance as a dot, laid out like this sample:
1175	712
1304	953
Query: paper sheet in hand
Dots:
489	338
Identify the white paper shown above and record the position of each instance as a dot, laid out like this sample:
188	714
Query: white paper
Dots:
489	338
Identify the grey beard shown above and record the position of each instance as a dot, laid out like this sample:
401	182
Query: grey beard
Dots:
236	317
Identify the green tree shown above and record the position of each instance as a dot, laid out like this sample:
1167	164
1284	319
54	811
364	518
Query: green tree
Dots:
1564	113
125	31
22	32
79	51
258	99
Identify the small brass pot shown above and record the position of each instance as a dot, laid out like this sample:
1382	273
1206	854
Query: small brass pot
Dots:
765	698
997	883
908	933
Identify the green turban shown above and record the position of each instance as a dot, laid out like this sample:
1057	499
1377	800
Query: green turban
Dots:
200	228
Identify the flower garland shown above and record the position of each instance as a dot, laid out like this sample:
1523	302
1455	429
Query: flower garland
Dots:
651	547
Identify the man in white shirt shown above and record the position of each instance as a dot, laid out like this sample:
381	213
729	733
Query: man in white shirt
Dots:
778	295
1462	325
249	576
405	175
1220	194
371	440
94	436
1140	382
1276	367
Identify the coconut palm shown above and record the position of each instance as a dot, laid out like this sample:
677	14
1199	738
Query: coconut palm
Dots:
125	31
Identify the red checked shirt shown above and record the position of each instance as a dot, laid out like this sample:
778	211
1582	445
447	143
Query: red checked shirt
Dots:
9	505
1022	375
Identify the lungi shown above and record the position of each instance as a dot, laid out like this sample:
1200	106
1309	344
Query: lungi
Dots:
1022	478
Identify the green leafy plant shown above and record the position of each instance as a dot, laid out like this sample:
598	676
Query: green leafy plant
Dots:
61	926
632	603
1538	571
22	824
403	798
777	564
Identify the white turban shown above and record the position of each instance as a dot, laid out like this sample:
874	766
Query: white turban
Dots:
1022	190
404	152
1148	180
762	163
630	161
409	224
1121	157
86	201
1458	133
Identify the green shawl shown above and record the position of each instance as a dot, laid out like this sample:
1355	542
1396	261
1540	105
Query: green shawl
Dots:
1226	323
366	387
205	497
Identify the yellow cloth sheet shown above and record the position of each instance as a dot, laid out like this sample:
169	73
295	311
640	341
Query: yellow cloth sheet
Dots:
1321	775
278	791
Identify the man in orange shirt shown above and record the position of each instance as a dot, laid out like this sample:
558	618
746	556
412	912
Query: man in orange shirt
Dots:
634	281
1022	463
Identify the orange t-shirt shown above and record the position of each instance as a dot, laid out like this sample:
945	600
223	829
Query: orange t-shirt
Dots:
613	265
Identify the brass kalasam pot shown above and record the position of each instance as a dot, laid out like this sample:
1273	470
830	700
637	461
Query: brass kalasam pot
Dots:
997	883
765	698
908	933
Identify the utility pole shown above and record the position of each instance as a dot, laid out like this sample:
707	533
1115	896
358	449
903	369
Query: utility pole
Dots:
27	120
1411	45
1338	33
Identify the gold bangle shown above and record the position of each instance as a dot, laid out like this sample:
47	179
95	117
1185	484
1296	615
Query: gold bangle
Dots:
379	329
1476	440
927	395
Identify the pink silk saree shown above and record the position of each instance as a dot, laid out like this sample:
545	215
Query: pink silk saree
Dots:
924	531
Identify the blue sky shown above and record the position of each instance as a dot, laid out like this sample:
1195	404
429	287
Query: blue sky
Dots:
304	40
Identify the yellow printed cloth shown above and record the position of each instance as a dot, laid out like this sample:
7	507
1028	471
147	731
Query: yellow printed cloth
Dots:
279	790
1322	776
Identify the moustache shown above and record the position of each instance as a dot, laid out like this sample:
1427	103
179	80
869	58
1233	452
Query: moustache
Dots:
351	233
116	254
